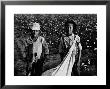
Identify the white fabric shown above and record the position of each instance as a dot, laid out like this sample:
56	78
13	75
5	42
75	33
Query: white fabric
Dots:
37	47
69	40
65	68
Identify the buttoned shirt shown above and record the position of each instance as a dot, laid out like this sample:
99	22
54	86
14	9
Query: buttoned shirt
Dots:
38	47
69	40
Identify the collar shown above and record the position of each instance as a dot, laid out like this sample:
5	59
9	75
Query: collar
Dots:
35	38
72	35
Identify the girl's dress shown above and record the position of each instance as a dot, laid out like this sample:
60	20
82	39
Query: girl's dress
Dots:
65	67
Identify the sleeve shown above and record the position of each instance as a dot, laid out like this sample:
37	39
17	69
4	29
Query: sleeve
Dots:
29	40
45	45
61	45
77	38
78	41
80	46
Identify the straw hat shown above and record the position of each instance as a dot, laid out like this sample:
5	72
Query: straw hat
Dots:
36	26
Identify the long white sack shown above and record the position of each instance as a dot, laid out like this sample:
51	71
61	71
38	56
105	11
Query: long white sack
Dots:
65	68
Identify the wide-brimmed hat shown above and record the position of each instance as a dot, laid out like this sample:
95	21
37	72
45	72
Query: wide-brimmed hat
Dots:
35	26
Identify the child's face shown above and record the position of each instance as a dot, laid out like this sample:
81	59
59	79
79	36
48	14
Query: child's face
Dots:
70	28
36	32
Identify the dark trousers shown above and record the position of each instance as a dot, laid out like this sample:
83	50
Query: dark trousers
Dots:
37	68
74	69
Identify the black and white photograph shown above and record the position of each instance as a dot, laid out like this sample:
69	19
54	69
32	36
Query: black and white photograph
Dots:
55	44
